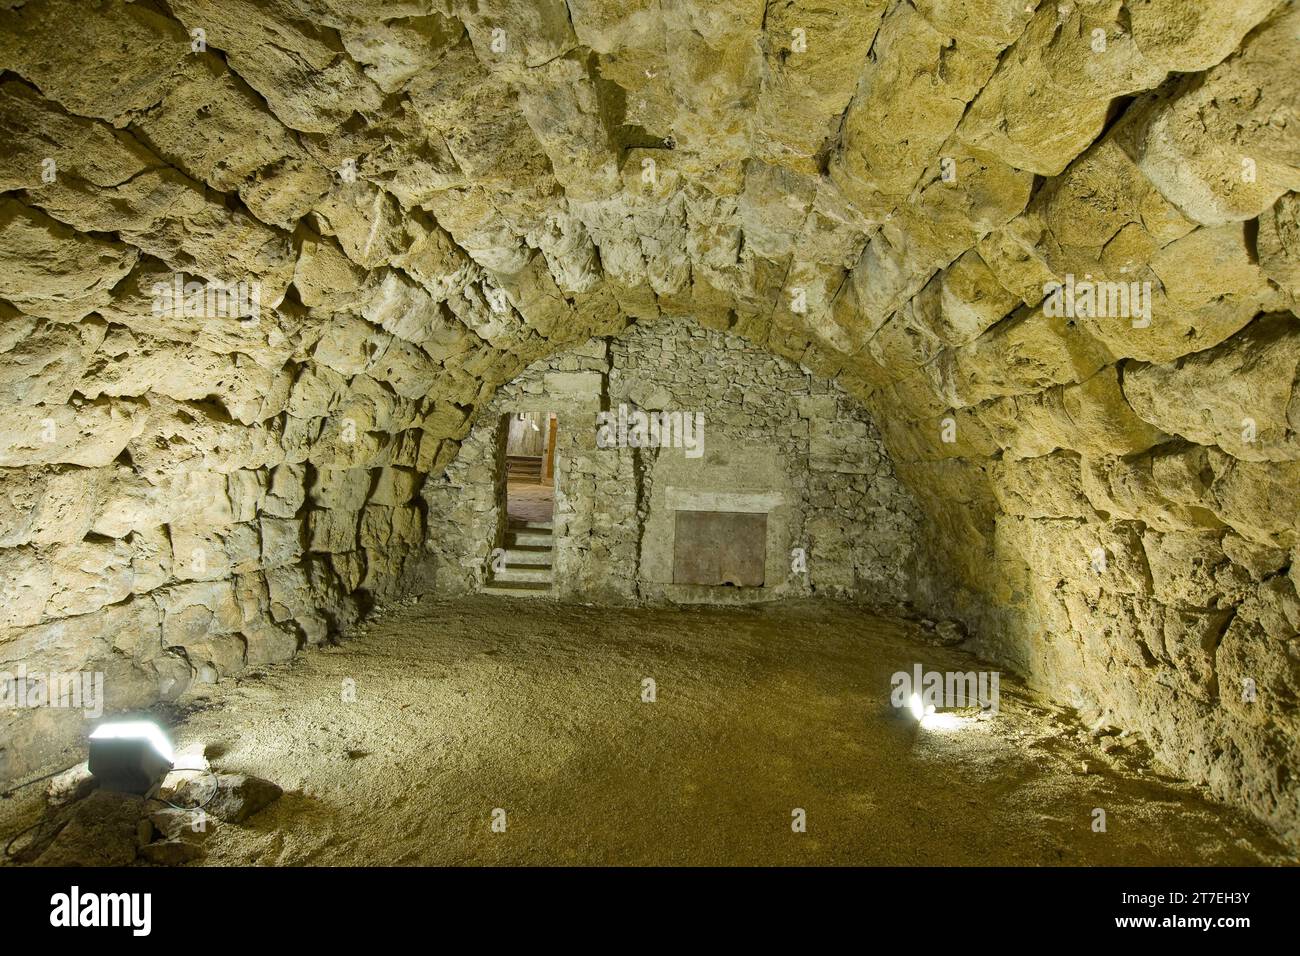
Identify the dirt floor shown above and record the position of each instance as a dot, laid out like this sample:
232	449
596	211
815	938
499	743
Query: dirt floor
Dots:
535	708
530	501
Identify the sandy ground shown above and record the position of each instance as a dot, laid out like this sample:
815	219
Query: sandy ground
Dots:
535	708
530	501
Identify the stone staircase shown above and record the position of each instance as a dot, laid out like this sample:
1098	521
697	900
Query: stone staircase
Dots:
527	571
523	468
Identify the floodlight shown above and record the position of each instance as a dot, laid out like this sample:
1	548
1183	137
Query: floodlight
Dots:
130	755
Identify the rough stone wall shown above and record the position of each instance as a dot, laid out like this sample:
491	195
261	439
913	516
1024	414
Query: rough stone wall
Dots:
847	512
877	191
1119	504
855	524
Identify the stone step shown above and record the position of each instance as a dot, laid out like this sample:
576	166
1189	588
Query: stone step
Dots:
522	573
523	589
529	555
518	524
528	539
523	466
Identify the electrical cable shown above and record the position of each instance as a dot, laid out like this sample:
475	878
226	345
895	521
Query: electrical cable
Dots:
9	845
27	783
177	806
14	839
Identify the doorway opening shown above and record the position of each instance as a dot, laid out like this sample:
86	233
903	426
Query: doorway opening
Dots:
524	564
530	467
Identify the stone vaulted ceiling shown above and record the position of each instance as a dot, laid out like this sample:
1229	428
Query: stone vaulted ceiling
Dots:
428	195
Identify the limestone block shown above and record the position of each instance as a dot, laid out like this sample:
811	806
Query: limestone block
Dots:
214	126
286	491
265	341
561	102
284	192
88	575
1258	499
805	91
1083	227
773	208
949	215
281	541
179	437
324	276
151	559
903	346
316	391
913	436
817	406
1188	36
170	216
1208	263
1101	557
37	130
50	270
246	489
1167	488
608	25
294	65
1046	487
28	582
1240	395
1189	639
961	302
881	282
332	530
1015	255
343	488
452	101
516	33
1098	420
202	618
130	503
1278	244
353	567
405	367
394	52
91	76
347	346
577	388
1222	147
287	590
368	223
90	434
1049	97
51	507
395	487
1027	426
438	263
199	554
403	308
1254	647
1203	287
127	365
435	453
1023	353
390	528
909	100
346	440
706	114
77	643
1260	561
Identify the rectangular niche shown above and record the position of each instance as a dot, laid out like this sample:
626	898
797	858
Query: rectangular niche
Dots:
717	548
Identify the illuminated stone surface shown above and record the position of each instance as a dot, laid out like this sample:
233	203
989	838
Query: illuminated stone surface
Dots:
422	198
